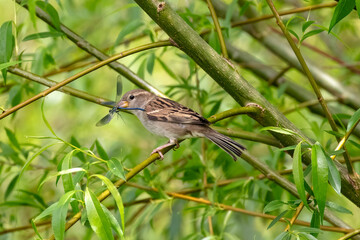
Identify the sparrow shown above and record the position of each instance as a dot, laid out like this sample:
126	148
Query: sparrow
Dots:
167	118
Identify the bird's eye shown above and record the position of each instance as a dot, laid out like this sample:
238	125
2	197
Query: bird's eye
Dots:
131	97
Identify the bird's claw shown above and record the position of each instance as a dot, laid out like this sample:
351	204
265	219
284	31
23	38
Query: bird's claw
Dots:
161	155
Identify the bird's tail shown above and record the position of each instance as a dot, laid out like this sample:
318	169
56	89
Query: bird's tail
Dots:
227	144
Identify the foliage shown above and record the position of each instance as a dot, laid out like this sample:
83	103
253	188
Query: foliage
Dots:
57	168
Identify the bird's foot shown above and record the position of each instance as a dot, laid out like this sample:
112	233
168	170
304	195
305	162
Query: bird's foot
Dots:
158	151
170	143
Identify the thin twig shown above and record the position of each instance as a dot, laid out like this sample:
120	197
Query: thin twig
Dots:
217	28
84	72
312	81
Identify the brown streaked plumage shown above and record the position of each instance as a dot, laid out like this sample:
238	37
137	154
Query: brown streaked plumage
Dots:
170	119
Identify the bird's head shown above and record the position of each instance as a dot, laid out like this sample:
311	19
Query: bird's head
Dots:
137	98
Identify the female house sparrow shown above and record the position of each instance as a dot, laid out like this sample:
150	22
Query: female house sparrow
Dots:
170	119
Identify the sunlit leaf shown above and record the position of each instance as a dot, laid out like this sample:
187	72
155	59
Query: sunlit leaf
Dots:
99	222
273	205
299	174
116	168
101	151
49	9
43	35
59	215
342	9
277	218
116	195
353	120
306	25
320	173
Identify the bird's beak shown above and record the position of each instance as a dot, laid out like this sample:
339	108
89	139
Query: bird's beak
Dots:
123	104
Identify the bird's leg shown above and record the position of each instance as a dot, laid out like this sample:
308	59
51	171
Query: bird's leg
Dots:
158	149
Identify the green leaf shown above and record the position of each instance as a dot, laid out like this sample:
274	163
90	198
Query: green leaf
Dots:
334	175
342	9
353	120
299	174
12	138
9	64
35	229
116	168
49	9
294	34
45	120
47	212
98	220
320	173
167	69
338	208
357	4
284	236
7	44
43	35
273	205
307	236
306	25
101	151
113	222
277	219
59	215
315	222
150	63
116	195
311	33
279	130
11	186
336	134
32	7
354	143
132	26
28	162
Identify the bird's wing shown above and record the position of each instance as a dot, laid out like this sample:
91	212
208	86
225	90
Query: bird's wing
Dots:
166	110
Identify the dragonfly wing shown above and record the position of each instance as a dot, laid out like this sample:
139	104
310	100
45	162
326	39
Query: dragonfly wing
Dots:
105	120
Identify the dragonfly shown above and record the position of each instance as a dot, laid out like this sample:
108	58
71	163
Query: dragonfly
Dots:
115	109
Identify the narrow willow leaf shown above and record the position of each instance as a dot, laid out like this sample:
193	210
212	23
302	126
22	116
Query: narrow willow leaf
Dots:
315	222
67	179
334	175
320	173
33	225
299	174
273	205
45	120
306	25
43	35
116	168
353	120
342	9
357	4
150	63
31	7
101	151
7	44
11	186
49	9
307	236
9	64
277	219
311	33
129	28
338	208
47	212
59	215
114	223
98	220
12	138
283	236
28	162
354	143
116	195
279	130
